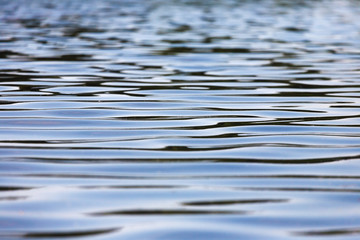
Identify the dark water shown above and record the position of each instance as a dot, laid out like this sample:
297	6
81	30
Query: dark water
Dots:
159	119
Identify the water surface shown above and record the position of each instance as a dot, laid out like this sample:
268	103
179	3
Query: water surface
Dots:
179	119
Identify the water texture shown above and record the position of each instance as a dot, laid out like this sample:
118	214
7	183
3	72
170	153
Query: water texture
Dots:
173	120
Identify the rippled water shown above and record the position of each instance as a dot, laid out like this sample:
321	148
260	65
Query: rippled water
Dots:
168	119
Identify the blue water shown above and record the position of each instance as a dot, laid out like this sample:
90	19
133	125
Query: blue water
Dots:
180	119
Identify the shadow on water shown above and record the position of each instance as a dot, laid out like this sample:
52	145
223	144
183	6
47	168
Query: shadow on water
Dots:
179	119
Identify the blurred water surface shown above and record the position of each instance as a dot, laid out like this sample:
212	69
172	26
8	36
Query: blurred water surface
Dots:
169	119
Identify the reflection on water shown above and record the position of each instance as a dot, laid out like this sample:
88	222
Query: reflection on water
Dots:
179	119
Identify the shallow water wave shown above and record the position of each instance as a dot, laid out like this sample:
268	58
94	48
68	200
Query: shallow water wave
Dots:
179	119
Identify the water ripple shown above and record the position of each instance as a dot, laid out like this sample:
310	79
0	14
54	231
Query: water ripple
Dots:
173	120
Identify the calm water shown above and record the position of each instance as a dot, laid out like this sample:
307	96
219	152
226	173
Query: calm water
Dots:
174	120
